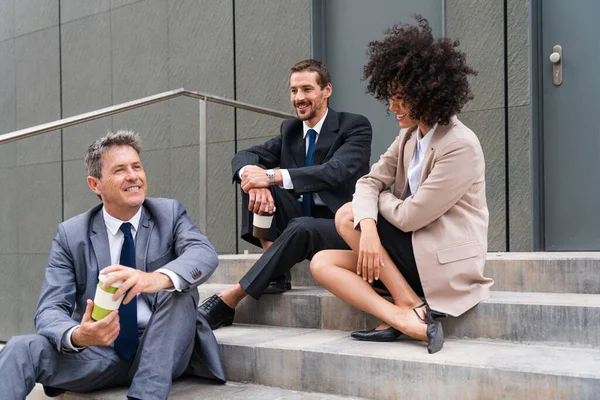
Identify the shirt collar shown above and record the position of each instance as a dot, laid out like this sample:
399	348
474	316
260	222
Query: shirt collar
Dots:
113	224
424	140
317	126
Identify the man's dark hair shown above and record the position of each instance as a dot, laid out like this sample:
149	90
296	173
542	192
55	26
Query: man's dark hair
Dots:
429	75
93	156
317	66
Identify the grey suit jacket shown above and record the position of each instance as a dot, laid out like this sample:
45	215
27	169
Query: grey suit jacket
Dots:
341	156
166	238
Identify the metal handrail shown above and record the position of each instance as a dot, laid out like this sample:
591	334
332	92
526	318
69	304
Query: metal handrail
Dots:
130	105
157	98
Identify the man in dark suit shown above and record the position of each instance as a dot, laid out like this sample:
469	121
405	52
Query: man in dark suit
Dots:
149	245
301	177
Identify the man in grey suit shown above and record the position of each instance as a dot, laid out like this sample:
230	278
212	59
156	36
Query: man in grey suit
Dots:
154	249
301	177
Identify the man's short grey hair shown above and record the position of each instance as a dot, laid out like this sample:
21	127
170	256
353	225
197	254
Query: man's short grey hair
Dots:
93	157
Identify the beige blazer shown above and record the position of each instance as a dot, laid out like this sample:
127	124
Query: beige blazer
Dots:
448	215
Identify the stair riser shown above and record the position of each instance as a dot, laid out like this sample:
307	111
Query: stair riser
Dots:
538	275
510	322
380	378
232	271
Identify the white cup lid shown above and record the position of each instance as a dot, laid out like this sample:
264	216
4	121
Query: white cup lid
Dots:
102	278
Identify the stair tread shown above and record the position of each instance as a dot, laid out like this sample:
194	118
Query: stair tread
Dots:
499	297
516	357
191	389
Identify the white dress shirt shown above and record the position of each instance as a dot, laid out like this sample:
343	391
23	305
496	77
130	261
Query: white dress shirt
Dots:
115	243
415	169
287	180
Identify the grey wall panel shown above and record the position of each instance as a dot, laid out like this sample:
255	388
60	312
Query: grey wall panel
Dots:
519	144
37	93
9	295
488	125
520	180
8	155
78	197
86	79
200	58
271	36
158	172
518	52
74	9
30	270
7	19
8	88
184	184
39	206
139	68
19	300
220	227
479	26
35	15
9	184
121	3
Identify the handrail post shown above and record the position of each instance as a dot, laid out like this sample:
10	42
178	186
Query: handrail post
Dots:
202	189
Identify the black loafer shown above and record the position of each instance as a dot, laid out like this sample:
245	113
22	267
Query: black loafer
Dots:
279	284
216	312
383	335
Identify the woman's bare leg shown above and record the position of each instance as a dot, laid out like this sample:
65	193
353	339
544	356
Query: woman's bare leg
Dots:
403	295
335	271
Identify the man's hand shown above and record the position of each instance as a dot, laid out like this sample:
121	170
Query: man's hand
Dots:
370	255
96	333
254	177
261	201
135	281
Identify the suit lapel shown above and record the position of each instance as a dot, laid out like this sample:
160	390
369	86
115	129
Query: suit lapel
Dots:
99	239
297	146
438	134
327	136
142	239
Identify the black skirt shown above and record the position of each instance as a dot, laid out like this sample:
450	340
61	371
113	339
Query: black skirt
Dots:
398	244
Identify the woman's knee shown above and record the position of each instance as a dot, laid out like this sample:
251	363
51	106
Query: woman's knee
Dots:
319	264
344	218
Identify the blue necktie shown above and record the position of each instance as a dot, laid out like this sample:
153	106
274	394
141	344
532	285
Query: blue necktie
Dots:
127	341
307	197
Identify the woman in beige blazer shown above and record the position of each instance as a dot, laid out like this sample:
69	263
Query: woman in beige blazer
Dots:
427	236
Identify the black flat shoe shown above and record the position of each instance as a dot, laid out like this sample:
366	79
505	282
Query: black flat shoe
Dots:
216	312
435	332
383	335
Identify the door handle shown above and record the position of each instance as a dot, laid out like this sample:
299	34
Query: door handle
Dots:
556	58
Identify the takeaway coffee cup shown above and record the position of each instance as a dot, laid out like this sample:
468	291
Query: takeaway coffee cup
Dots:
103	302
262	224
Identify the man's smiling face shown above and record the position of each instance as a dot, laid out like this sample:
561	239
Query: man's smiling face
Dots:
122	185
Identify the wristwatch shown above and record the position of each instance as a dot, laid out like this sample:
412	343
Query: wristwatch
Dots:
271	175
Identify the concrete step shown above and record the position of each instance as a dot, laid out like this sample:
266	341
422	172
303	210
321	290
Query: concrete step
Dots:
516	272
553	318
232	267
193	389
331	362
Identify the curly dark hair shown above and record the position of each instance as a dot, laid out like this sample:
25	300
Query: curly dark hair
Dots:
429	75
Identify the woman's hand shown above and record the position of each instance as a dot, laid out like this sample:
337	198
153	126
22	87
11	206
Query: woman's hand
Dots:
370	255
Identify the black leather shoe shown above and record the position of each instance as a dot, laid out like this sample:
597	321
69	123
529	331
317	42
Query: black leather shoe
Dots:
383	335
279	284
216	312
435	332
